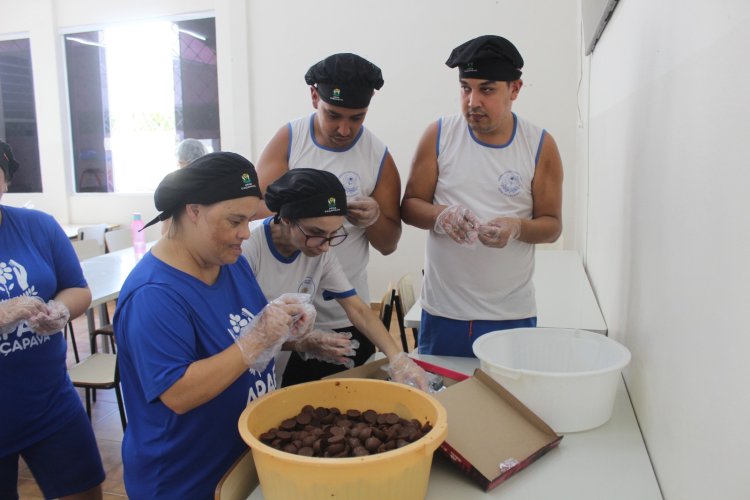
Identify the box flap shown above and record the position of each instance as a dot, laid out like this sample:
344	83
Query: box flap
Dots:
497	428
487	425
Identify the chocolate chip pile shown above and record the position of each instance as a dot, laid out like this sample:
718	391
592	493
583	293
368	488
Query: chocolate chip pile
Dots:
329	433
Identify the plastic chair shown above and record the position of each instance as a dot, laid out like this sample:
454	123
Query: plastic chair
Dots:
95	232
68	331
386	306
118	239
239	481
85	249
405	301
99	371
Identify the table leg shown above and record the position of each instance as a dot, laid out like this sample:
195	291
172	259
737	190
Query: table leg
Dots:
92	326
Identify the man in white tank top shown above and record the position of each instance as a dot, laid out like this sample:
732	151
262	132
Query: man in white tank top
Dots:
487	184
334	139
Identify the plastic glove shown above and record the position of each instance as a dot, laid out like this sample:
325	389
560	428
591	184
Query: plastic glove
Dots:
50	321
303	322
329	346
459	223
18	309
363	211
499	231
261	339
403	369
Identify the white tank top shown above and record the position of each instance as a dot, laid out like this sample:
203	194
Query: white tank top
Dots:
482	283
358	168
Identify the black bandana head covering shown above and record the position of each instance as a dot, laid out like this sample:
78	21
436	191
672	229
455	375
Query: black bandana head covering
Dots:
345	80
306	192
488	57
7	161
210	179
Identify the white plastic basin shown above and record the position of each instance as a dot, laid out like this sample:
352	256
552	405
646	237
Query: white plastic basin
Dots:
567	377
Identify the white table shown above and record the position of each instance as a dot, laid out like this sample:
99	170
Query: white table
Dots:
609	462
105	275
564	297
71	230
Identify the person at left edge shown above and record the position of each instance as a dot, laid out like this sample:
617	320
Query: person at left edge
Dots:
41	415
190	321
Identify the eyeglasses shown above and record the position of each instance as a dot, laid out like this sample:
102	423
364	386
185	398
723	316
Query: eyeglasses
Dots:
316	241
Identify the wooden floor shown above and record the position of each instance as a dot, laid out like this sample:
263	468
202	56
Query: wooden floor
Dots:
107	427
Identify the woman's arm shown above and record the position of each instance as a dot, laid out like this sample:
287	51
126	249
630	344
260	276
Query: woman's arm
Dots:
77	300
204	380
367	322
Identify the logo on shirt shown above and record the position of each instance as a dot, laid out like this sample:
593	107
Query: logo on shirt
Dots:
14	282
510	183
307	286
265	381
350	181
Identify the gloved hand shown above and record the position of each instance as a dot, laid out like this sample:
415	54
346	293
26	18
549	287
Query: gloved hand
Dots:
499	231
403	369
50	321
18	309
459	223
363	211
303	322
261	339
329	346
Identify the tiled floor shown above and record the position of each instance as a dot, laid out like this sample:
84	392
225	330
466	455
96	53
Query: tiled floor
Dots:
107	427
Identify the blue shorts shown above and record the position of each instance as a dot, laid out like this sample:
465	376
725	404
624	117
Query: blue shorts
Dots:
64	463
453	337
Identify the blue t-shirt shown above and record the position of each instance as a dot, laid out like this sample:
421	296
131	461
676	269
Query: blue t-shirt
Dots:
36	395
166	320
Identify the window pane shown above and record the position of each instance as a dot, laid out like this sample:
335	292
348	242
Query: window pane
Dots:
18	114
135	92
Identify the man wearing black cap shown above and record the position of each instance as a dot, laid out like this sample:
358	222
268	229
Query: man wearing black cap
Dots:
334	139
488	186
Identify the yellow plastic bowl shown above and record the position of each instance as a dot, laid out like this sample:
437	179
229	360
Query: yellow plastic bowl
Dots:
401	473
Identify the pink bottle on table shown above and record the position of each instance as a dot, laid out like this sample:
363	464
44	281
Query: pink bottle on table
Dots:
139	237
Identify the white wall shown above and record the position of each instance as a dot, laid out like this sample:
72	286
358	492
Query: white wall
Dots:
668	232
410	42
265	48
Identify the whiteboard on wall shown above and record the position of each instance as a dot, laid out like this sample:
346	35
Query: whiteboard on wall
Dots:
595	15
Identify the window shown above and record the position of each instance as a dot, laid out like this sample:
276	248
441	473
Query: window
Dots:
135	92
18	114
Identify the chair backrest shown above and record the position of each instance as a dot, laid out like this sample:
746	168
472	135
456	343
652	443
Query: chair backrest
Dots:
86	249
404	301
386	306
405	290
118	239
95	232
239	481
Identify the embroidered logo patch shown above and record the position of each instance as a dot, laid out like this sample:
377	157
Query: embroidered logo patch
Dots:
350	181
509	183
307	286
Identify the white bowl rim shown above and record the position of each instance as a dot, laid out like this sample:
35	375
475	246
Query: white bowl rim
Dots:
617	367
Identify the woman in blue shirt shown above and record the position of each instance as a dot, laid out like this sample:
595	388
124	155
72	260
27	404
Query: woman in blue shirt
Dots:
190	321
41	415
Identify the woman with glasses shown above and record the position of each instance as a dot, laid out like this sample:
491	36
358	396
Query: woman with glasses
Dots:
289	253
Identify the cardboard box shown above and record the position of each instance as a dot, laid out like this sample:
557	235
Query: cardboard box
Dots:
491	434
